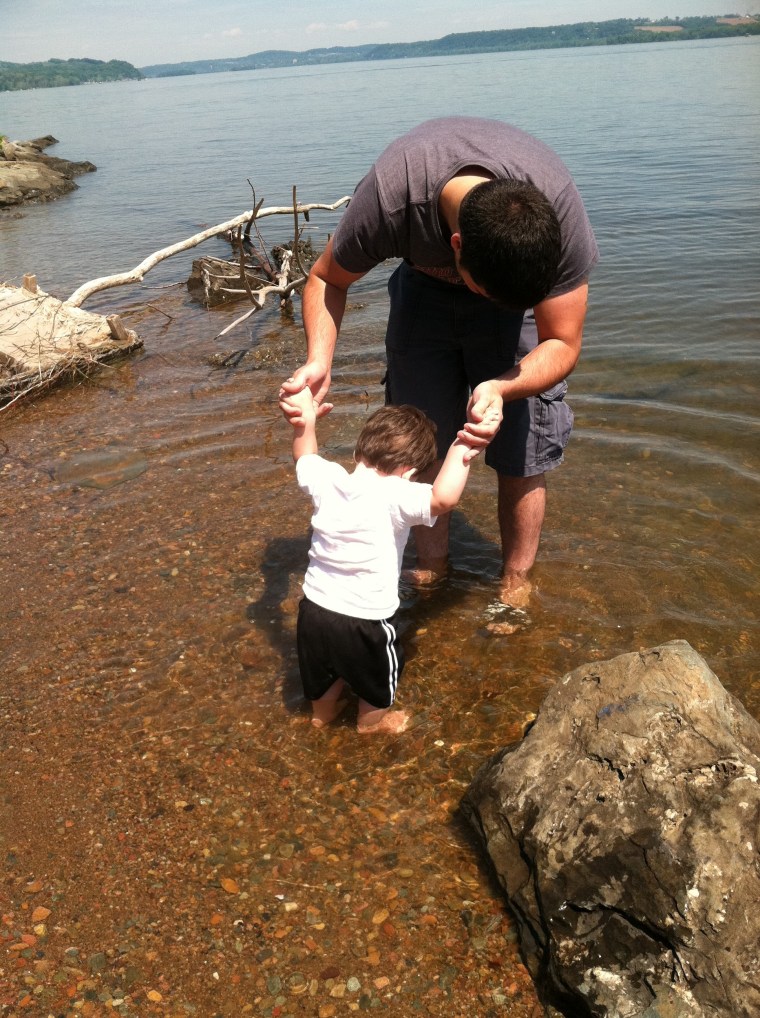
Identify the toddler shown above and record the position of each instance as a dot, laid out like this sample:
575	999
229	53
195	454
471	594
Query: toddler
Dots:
346	632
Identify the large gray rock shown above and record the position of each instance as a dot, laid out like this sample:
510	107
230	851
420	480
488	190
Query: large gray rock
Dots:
624	829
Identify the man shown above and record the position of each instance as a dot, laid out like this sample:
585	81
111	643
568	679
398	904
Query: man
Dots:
489	303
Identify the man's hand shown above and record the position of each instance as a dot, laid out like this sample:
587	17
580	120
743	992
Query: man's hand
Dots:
314	378
484	416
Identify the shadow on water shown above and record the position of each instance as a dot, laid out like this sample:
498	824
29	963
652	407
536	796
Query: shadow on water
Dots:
283	561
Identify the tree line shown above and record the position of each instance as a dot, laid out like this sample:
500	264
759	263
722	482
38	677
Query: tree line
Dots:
619	31
53	73
585	33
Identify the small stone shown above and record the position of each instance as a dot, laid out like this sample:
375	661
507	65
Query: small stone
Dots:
353	985
154	996
229	885
97	962
297	983
40	914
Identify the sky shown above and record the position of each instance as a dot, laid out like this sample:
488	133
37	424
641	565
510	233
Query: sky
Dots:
147	32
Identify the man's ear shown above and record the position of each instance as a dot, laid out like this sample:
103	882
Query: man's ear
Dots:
456	242
409	474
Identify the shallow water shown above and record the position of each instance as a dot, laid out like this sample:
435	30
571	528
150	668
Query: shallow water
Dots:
159	780
153	545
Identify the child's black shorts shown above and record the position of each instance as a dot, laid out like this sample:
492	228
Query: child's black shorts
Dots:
365	653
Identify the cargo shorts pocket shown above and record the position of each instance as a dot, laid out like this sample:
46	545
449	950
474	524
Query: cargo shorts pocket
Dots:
552	426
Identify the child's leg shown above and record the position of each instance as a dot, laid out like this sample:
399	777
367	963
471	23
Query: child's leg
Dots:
329	706
380	719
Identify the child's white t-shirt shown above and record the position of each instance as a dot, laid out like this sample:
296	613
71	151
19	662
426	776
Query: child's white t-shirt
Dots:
360	527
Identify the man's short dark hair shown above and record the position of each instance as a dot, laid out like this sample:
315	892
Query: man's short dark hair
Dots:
511	242
397	436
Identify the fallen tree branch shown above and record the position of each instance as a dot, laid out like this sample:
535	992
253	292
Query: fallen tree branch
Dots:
136	274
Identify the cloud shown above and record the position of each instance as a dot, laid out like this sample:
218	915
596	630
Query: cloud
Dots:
348	26
316	26
232	33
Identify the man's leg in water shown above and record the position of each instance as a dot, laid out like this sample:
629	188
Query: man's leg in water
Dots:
431	543
521	509
522	505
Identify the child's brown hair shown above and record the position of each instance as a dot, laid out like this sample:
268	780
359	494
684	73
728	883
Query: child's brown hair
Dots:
397	436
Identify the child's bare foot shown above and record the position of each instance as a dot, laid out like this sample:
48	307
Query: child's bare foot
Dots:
391	723
328	712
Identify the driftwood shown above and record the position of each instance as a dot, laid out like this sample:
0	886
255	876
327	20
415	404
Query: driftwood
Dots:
43	341
216	281
136	274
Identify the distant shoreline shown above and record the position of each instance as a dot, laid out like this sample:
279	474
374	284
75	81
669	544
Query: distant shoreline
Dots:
621	31
618	32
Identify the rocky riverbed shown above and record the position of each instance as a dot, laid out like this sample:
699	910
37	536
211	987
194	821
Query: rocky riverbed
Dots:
28	174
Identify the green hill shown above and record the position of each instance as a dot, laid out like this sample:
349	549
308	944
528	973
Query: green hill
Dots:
584	33
53	73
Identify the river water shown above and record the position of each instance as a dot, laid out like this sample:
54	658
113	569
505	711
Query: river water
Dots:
159	781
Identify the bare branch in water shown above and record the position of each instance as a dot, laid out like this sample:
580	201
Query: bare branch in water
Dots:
136	274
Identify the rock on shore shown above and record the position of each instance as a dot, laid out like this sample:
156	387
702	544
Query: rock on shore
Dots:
624	829
28	175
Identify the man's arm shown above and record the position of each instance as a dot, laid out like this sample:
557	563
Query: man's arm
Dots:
452	477
559	321
323	302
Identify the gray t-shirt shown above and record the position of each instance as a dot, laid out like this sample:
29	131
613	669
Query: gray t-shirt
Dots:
394	210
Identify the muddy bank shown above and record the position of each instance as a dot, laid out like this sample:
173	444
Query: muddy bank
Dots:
28	175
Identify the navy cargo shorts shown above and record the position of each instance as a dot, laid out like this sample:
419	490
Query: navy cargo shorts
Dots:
443	340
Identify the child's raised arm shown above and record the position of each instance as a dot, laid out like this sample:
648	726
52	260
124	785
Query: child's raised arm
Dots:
452	477
304	431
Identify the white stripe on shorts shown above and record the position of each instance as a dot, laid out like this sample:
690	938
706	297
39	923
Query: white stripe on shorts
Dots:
390	648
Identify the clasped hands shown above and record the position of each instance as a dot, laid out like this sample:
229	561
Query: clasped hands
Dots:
484	409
